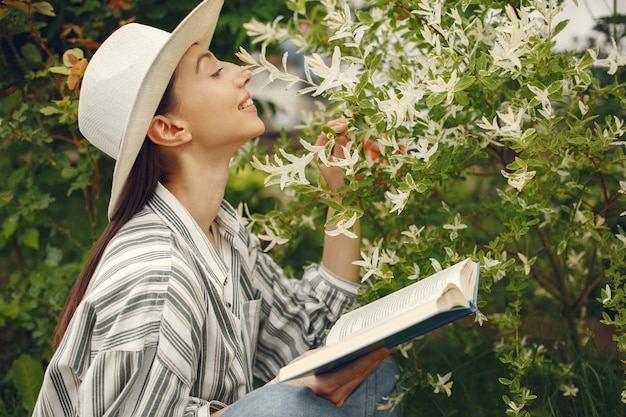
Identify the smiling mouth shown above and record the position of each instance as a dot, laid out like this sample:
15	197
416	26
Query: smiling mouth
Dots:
246	103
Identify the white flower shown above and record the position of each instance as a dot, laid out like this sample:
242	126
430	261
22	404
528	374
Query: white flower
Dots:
308	220
269	235
370	264
526	262
416	272
442	385
480	318
614	60
348	161
345	27
343	227
398	199
455	227
511	122
569	390
264	65
441	86
574	260
436	265
506	53
265	32
584	109
489	263
421	150
400	108
623	395
491	126
282	174
414	232
542	95
511	40
519	178
516	408
333	76
607	291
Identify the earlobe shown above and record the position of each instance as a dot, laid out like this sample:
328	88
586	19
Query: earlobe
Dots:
165	131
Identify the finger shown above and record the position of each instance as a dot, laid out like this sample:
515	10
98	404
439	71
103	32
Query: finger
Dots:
350	376
338	125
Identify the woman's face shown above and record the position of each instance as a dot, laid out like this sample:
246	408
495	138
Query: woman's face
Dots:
211	99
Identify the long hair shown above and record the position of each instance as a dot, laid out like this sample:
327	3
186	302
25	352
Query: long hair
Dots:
147	171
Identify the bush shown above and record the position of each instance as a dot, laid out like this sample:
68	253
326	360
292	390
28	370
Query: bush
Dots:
55	186
471	138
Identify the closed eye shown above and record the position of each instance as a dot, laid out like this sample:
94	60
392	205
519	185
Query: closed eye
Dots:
217	73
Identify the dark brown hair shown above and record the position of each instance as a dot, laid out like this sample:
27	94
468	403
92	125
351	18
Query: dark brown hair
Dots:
147	171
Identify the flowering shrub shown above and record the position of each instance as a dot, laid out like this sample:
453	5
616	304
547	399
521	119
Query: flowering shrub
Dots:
470	138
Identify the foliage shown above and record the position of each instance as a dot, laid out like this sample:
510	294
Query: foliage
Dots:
471	138
55	186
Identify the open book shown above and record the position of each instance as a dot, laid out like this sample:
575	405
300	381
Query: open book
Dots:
396	318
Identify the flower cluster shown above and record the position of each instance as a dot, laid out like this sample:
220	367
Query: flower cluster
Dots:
469	137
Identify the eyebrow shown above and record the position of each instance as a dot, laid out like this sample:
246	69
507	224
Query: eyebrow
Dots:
205	55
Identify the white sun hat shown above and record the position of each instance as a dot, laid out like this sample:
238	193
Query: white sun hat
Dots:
125	81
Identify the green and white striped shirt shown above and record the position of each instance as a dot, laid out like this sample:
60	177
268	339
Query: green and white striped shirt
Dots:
171	325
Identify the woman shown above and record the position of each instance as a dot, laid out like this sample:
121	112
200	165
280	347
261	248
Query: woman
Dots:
177	309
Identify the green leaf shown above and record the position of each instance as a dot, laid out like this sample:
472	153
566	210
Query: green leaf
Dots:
50	110
559	27
53	256
465	82
375	62
69	172
44	8
27	376
489	82
61	70
31	53
362	83
30	238
8	226
435	99
461	98
17	176
505	381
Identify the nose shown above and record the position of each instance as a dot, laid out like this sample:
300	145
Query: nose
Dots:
244	76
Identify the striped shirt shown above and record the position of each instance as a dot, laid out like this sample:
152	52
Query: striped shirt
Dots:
172	325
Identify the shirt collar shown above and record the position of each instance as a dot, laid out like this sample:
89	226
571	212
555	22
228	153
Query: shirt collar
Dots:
178	219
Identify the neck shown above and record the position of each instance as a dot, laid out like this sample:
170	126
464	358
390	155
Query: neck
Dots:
200	191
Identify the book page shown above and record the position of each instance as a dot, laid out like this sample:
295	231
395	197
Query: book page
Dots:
424	291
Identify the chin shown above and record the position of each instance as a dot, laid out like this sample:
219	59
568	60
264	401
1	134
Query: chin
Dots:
261	129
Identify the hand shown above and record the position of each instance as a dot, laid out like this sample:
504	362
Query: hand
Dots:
335	386
334	176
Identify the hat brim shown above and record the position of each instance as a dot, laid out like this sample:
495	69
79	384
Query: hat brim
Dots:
197	27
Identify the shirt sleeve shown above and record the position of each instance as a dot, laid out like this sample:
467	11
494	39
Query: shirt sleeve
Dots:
123	383
132	347
295	312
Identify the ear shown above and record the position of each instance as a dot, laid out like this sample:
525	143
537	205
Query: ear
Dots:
166	131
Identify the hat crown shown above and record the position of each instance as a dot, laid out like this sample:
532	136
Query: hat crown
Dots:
112	82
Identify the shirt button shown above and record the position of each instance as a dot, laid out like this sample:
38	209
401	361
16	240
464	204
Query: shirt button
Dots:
229	305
